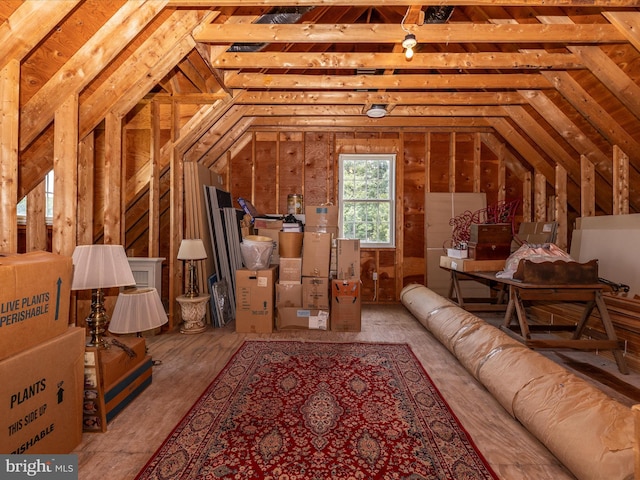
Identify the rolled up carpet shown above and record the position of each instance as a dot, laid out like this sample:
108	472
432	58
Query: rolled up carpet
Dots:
588	431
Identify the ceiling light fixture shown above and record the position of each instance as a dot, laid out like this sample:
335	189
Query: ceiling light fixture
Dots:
377	111
410	40
408	44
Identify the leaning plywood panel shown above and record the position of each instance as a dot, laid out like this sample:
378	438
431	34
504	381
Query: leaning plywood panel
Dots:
611	247
589	432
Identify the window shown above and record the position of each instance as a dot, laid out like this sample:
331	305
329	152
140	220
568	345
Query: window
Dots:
367	199
48	194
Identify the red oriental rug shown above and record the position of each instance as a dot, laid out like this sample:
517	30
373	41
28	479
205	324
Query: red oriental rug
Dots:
306	410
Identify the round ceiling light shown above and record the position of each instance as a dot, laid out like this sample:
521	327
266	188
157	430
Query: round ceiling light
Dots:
376	111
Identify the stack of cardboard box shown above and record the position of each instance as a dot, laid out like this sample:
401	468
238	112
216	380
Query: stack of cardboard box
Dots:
303	285
41	356
303	298
345	288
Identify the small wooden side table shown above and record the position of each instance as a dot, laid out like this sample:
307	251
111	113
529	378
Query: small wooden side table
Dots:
193	311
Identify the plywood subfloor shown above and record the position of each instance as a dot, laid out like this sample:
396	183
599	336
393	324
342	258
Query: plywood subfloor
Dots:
190	362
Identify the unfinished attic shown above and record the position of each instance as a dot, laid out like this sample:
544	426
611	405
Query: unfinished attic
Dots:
402	128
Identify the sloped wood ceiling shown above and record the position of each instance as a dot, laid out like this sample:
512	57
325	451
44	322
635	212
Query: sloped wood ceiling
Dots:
557	81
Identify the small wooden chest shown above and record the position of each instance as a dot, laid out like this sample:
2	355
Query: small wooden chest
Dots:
489	251
491	233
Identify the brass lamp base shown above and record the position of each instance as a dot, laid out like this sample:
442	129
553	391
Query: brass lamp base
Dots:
98	320
192	286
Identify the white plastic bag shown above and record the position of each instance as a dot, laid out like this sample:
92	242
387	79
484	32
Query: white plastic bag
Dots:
547	252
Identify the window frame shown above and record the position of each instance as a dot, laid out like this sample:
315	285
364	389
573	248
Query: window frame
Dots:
48	201
392	159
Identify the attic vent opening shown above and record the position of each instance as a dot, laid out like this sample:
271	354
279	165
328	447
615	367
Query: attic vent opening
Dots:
277	16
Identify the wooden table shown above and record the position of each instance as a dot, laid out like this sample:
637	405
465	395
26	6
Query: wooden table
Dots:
520	328
464	269
591	294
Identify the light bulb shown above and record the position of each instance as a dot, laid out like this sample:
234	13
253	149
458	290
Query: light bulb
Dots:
408	54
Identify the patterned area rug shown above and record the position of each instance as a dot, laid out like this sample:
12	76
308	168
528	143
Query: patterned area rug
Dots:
306	410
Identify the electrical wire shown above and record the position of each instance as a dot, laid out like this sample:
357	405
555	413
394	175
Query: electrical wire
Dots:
403	20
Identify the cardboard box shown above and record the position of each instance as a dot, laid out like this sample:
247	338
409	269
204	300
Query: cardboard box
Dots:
290	270
255	300
315	293
322	229
345	305
128	387
289	295
41	392
535	233
457	253
316	253
268	223
470	265
321	215
290	318
348	258
35	289
115	361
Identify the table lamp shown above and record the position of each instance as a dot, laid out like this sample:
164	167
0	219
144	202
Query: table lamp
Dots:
191	250
97	267
137	310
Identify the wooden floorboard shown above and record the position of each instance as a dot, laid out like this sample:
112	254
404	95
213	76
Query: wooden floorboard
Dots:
189	363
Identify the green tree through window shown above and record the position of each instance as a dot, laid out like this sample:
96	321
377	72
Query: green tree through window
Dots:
367	198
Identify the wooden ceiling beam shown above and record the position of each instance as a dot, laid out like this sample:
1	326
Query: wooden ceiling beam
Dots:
574	34
386	82
28	25
223	122
363	98
612	76
538	60
193	98
198	78
595	114
539	136
350	110
584	145
499	148
136	76
85	65
528	151
229	142
363	122
208	52
628	23
151	61
402	3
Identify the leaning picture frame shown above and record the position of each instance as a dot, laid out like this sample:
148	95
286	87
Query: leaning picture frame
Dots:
220	301
215	321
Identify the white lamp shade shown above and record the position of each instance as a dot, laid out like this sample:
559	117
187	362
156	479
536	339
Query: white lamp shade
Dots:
100	266
192	249
136	311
